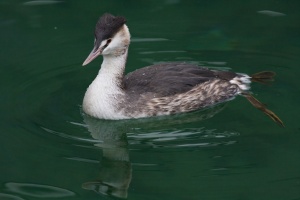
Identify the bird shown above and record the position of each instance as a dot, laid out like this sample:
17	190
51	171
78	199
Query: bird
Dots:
160	89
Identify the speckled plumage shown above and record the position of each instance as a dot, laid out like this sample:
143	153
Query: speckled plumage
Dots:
170	88
162	89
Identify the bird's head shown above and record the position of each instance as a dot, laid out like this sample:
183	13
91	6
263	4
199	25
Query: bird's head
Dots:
112	37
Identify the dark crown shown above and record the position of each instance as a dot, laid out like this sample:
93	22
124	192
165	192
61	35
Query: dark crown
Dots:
108	25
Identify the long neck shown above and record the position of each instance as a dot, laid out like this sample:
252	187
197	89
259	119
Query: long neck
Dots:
112	69
102	96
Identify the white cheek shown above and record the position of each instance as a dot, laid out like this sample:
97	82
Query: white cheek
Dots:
115	45
110	48
107	50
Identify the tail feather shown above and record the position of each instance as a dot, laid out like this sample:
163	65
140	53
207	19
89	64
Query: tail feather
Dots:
264	77
257	104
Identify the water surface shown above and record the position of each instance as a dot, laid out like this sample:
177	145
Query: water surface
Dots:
50	150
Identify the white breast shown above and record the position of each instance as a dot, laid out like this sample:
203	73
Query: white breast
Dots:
101	98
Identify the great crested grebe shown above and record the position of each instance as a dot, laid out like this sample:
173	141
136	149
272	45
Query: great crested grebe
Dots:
161	89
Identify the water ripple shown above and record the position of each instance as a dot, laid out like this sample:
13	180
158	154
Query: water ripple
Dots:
158	52
148	39
271	13
64	135
37	190
41	2
191	138
9	197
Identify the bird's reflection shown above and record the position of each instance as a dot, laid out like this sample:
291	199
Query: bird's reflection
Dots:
115	170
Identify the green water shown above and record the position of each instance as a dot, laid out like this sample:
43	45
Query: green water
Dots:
50	150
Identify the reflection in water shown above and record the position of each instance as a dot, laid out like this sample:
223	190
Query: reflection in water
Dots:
112	137
115	168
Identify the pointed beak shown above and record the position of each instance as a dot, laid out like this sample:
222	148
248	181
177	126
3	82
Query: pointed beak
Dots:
94	54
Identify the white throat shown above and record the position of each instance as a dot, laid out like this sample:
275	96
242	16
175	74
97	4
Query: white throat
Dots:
103	95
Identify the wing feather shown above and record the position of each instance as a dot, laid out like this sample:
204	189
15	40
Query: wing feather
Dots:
169	78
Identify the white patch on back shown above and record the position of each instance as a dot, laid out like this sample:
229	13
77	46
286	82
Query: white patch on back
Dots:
243	81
